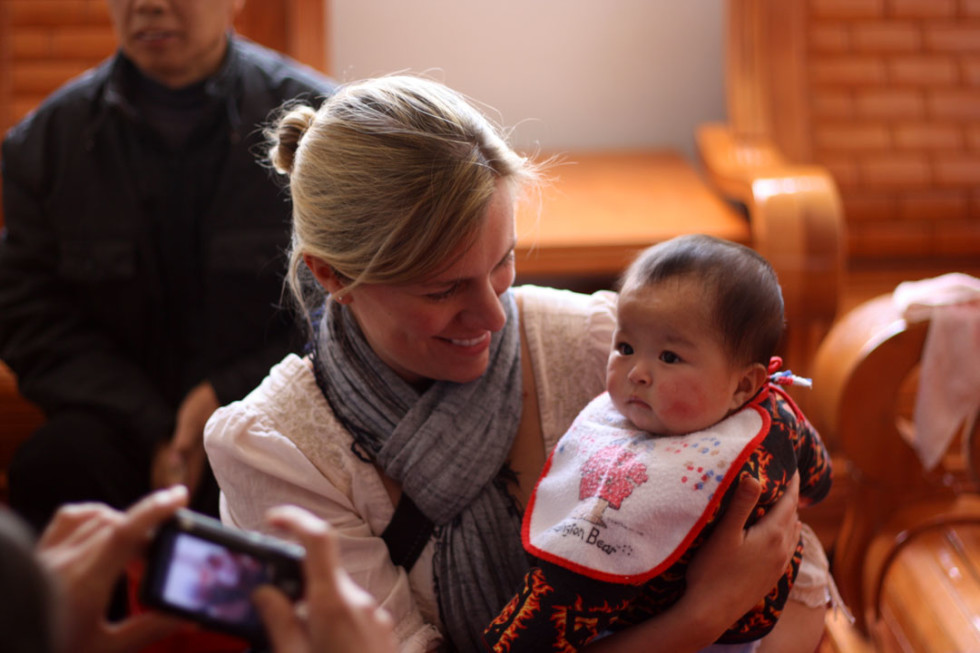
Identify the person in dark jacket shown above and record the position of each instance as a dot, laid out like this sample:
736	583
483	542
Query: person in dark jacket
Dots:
141	261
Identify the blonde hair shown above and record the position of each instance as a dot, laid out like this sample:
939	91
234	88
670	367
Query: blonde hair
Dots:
388	179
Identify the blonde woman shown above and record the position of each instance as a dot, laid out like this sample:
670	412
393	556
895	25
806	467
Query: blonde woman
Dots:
434	390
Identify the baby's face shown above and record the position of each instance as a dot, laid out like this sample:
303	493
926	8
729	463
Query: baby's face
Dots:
668	372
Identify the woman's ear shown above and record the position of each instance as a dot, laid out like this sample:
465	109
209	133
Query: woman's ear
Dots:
750	379
327	277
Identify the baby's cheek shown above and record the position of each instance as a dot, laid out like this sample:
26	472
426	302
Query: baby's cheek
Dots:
680	409
682	404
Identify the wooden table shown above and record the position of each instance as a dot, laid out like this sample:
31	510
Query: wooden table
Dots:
601	208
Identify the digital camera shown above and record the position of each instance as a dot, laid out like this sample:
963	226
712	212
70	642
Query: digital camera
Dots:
200	569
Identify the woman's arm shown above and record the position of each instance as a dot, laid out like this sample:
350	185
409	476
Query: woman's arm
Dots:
731	572
258	467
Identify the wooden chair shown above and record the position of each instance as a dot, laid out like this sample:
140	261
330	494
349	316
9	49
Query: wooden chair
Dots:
19	419
759	160
607	206
907	557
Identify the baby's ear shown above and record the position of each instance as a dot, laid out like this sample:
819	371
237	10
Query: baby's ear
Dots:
750	380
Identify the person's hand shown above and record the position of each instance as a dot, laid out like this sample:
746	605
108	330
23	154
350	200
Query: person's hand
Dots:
335	614
728	576
86	548
182	459
736	567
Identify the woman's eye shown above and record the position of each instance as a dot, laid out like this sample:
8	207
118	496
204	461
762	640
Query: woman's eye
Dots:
669	357
625	349
443	294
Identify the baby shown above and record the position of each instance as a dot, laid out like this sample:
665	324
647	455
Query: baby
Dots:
638	481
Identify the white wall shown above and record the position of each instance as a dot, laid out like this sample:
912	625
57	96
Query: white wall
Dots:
566	74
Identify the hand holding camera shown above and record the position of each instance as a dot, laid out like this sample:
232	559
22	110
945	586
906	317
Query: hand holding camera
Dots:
87	546
200	569
337	615
85	549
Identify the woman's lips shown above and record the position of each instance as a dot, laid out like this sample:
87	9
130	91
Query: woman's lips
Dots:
477	343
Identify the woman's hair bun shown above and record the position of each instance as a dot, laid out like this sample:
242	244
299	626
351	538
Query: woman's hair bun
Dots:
285	136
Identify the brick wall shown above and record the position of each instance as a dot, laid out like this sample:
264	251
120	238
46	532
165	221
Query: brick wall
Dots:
48	42
894	90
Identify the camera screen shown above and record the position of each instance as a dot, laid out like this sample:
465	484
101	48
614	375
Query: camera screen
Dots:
209	579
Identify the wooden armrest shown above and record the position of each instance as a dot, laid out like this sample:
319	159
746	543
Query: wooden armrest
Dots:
603	207
795	214
858	371
733	165
920	577
18	419
861	372
797	223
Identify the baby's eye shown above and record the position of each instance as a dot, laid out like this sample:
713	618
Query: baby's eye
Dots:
669	357
624	348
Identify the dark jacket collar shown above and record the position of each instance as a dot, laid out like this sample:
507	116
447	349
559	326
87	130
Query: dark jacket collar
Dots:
224	85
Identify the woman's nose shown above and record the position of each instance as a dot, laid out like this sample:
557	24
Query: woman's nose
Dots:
486	311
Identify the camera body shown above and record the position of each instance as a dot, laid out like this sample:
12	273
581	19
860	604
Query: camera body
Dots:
200	569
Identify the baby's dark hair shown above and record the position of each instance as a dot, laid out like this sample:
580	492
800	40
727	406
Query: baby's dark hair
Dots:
747	303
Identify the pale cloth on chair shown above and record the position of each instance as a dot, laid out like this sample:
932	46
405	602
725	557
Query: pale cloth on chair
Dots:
949	377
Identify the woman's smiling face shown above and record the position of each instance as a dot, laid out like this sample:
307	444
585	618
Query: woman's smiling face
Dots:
440	328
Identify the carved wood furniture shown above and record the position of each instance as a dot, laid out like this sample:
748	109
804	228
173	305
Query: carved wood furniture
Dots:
759	158
604	207
907	557
18	419
599	209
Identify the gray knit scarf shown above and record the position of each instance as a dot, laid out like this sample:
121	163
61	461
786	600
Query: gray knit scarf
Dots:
447	448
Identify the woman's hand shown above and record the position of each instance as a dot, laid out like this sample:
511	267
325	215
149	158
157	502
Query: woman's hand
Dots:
86	548
729	574
335	615
737	566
